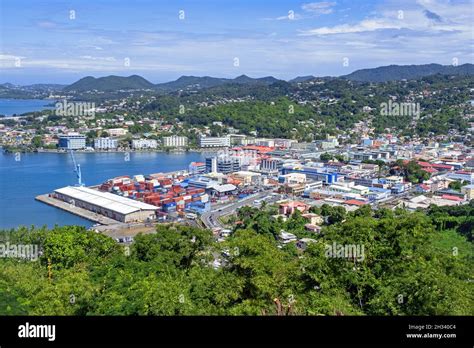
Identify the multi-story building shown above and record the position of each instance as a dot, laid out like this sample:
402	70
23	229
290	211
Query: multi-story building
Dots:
248	178
468	190
370	155
222	165
144	144
318	174
292	178
197	167
105	143
72	141
392	180
310	186
330	143
286	143
214	141
271	165
227	166
265	142
175	141
116	132
211	165
238	139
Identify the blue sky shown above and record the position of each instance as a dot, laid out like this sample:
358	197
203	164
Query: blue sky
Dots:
60	41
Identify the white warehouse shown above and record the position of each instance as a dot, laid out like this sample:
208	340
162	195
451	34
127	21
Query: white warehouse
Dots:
107	204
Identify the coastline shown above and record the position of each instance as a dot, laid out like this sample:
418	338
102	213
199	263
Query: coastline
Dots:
55	151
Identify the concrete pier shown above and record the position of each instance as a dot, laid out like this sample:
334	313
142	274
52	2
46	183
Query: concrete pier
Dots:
86	214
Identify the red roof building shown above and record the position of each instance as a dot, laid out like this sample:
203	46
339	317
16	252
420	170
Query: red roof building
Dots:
442	166
452	198
354	202
424	187
430	170
259	149
289	208
437	166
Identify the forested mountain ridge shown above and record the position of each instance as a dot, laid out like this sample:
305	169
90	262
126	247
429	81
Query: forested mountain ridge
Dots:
408	72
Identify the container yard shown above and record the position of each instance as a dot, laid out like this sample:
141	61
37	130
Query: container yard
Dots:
147	199
167	193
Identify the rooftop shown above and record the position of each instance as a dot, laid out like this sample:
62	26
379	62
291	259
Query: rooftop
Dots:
107	200
354	202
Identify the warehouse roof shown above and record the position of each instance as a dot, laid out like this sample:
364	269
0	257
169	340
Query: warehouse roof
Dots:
107	200
224	188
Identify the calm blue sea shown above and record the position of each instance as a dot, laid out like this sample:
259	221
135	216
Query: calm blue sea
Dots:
10	107
39	173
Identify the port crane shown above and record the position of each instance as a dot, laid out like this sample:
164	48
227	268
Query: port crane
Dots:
77	169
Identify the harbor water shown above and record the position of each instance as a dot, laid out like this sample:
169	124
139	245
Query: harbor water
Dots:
26	176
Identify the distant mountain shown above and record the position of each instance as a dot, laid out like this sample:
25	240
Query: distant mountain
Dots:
244	79
114	83
193	82
109	84
189	82
302	79
400	72
45	87
7	85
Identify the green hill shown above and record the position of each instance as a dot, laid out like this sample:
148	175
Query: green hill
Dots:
110	83
408	72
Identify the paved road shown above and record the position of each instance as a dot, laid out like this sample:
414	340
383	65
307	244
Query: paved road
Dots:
396	198
211	218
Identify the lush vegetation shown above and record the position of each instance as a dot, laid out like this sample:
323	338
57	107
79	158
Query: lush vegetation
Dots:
414	264
109	83
410	170
309	110
306	111
408	72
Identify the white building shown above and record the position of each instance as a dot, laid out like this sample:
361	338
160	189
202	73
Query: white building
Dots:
116	132
139	144
265	142
271	165
105	143
175	141
292	178
330	143
72	141
214	141
286	143
286	237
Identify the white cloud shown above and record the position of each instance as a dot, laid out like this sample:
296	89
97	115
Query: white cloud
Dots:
106	59
10	57
274	49
324	7
363	26
291	16
424	16
47	24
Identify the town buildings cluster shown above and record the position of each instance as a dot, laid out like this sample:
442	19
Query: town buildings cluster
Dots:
296	175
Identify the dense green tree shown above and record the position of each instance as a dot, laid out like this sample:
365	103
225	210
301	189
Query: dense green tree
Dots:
397	263
325	157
